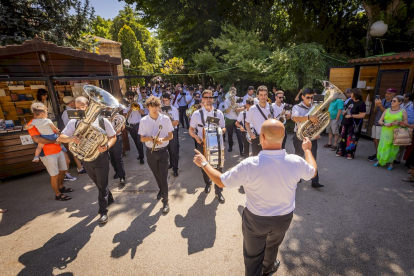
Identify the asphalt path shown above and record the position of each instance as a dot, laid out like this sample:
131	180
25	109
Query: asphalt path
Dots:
360	223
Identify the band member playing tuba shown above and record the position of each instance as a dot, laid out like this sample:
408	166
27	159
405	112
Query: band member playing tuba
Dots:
198	121
156	131
133	115
97	169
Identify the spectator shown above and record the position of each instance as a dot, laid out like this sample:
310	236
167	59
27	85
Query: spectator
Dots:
381	106
408	106
354	113
43	97
335	112
390	120
347	93
54	161
410	161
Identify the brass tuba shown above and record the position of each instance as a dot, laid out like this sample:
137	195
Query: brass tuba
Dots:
92	137
231	95
117	120
311	130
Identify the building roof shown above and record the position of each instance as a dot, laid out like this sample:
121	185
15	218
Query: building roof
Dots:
106	41
387	58
37	44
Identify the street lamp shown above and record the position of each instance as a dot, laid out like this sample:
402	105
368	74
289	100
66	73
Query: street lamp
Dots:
378	29
127	63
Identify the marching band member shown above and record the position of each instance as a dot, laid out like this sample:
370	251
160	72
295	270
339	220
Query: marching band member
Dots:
151	125
257	115
142	98
115	152
278	106
97	169
241	123
133	118
181	99
173	147
299	115
198	121
231	119
250	93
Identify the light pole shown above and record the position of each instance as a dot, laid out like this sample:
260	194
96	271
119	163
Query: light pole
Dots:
127	63
378	29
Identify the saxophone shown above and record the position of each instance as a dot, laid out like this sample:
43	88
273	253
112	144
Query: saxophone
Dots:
311	130
92	137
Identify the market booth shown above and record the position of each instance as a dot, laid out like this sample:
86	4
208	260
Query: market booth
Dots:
374	75
34	65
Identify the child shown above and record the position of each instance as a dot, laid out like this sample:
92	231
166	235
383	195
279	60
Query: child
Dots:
45	127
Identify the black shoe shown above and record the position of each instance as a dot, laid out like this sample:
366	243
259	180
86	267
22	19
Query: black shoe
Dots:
175	173
372	157
241	154
110	201
122	181
103	219
170	167
116	176
396	162
274	268
159	195
230	149
220	198
317	185
165	208
207	189
141	161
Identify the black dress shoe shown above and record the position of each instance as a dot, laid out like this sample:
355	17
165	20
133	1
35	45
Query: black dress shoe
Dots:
230	149
122	181
159	195
274	268
317	185
220	198
103	219
165	208
241	154
207	189
175	173
116	176
110	201
141	161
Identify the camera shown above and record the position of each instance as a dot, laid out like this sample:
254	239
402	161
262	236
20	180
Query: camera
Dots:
182	93
196	101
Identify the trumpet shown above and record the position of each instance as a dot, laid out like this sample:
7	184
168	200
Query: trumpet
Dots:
156	138
135	107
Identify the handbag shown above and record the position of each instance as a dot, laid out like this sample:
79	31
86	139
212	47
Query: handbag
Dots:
403	136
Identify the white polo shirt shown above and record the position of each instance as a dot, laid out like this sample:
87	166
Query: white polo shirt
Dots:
135	116
174	114
232	115
197	123
269	181
255	100
71	127
300	110
149	127
256	118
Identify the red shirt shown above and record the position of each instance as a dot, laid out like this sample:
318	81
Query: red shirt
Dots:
48	149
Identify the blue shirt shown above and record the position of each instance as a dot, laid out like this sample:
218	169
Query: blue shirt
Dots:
410	114
334	107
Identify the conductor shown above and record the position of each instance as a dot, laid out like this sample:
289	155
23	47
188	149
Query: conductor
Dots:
270	196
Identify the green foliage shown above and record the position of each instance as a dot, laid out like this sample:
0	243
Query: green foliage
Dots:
131	49
101	26
50	20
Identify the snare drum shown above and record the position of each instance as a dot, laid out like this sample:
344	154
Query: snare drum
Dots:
213	146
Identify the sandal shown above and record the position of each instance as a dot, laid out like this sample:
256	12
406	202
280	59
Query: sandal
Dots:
3	210
66	190
333	148
408	179
327	146
62	197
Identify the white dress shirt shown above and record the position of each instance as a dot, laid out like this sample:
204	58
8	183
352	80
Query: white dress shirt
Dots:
256	118
174	114
134	117
269	180
71	127
197	123
300	110
241	117
149	127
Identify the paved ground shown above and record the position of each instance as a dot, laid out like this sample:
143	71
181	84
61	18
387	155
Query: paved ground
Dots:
361	223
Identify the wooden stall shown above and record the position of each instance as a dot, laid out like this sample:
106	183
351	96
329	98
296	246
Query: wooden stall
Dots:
374	75
34	65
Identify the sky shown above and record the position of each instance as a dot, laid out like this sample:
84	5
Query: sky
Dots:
106	8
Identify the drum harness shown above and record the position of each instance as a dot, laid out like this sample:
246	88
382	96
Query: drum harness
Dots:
208	127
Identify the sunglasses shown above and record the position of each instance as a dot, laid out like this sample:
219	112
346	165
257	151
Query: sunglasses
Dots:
208	98
280	97
394	101
309	98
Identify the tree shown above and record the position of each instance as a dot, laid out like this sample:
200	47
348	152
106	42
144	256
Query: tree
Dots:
131	49
50	20
101	27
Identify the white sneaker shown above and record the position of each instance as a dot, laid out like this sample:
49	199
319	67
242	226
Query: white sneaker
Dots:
36	159
69	177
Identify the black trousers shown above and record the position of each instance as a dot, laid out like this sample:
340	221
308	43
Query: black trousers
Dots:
158	163
115	152
217	189
173	149
98	171
262	237
284	140
183	116
133	131
230	128
256	148
246	145
297	144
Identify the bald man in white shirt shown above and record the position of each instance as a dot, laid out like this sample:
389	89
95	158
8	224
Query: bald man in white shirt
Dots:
270	196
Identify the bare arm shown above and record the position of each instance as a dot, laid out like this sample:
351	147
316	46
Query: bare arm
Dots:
212	173
338	115
40	140
249	130
307	147
381	120
191	130
175	123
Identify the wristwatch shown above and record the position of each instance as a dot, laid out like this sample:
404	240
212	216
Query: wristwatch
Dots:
204	164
